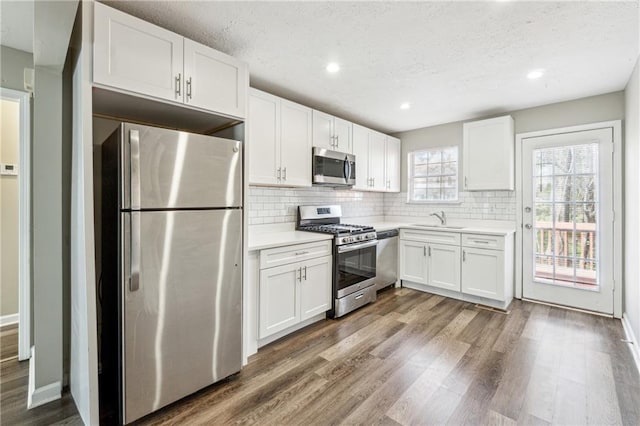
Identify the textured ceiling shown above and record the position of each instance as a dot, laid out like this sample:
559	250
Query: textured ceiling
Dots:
450	60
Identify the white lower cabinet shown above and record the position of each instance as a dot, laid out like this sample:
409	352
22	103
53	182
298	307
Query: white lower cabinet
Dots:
483	273
413	264
437	265
292	293
444	266
279	294
463	266
315	287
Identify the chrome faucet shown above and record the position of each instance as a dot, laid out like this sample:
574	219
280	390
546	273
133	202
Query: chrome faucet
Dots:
441	216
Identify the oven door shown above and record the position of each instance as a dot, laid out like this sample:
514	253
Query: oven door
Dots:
333	168
355	267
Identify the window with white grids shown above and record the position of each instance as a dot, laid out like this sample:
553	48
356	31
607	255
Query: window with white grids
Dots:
433	175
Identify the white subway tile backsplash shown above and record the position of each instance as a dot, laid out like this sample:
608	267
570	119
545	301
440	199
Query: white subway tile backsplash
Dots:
279	205
489	205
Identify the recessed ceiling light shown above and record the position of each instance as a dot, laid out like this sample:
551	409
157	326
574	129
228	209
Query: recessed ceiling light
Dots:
405	105
333	67
535	74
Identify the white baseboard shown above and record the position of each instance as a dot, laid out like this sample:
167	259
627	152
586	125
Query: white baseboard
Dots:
44	394
633	345
9	319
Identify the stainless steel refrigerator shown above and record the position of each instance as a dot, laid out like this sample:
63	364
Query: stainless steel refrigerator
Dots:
170	292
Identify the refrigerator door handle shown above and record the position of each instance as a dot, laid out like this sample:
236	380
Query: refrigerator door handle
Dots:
134	141
134	281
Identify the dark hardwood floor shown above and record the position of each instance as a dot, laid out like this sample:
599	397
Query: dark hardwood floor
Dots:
416	358
14	384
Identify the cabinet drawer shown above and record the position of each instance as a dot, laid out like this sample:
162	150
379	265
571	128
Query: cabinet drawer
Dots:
294	253
495	242
436	237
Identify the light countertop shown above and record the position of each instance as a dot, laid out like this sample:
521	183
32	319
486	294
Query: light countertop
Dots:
471	229
278	238
264	237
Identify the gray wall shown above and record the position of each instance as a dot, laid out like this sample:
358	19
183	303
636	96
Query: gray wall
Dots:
632	203
12	65
562	114
48	257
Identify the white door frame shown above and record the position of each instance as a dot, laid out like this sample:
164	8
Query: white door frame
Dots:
24	221
618	175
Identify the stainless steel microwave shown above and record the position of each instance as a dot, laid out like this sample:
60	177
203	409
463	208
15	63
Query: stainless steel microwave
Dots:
333	168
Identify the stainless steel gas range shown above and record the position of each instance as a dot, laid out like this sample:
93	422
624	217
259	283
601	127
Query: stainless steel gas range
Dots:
354	256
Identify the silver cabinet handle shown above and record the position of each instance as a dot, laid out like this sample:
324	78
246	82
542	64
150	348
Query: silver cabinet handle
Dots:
300	253
429	251
178	85
134	281
189	88
465	182
299	271
305	273
279	173
337	141
528	226
424	251
134	145
464	256
284	173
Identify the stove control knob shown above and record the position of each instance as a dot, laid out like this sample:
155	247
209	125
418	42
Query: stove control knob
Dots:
359	237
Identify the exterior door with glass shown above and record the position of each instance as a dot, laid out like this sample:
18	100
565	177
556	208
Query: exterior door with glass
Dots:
568	232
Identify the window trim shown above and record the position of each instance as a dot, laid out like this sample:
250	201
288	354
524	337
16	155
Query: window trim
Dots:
410	176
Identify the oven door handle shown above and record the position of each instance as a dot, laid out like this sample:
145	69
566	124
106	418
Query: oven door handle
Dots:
353	247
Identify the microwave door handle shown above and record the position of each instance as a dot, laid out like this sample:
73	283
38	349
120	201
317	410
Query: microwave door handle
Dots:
345	170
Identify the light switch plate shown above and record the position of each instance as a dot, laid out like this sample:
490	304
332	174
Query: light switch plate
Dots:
7	169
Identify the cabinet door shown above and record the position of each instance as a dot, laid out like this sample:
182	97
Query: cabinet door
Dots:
315	287
214	81
134	55
444	266
377	144
263	144
323	130
483	273
488	155
279	298
393	164
361	151
342	130
413	262
295	143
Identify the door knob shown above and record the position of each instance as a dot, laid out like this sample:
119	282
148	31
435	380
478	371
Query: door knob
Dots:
527	209
528	226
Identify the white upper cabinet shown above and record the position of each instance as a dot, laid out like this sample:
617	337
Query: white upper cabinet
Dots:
393	164
295	142
263	138
342	130
377	160
488	155
279	141
377	147
331	132
213	80
135	56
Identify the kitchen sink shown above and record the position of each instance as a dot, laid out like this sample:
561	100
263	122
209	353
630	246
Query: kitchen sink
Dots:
439	226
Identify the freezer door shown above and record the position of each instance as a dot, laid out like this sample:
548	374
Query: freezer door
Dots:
182	315
171	169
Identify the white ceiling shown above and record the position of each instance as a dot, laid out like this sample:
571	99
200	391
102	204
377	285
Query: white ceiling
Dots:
450	60
16	24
